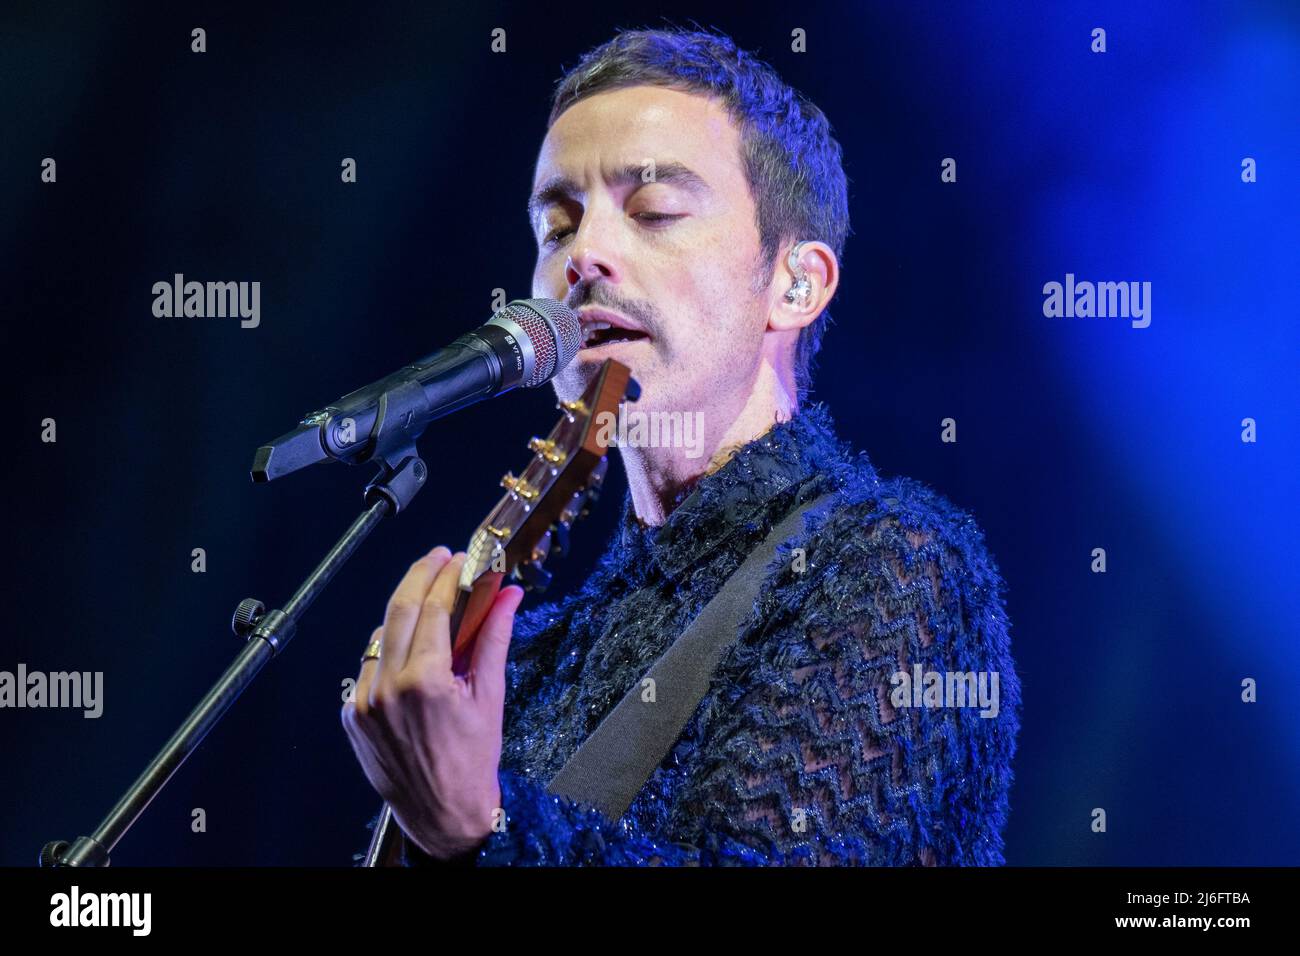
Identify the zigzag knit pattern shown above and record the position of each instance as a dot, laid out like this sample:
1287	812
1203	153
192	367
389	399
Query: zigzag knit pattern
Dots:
804	751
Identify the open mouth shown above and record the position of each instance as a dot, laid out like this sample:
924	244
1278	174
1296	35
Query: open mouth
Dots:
602	333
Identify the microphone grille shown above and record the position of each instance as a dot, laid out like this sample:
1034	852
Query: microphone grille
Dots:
554	330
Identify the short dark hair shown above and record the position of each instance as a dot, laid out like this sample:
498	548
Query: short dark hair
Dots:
792	161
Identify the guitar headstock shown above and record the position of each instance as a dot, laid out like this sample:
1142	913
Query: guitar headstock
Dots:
554	489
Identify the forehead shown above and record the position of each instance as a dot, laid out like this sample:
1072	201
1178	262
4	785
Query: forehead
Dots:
625	126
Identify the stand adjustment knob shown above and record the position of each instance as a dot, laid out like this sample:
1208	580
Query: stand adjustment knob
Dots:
247	615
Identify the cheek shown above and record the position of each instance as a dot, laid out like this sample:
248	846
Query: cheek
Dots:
715	303
548	279
722	271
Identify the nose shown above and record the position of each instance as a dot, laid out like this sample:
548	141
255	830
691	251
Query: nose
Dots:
591	257
584	268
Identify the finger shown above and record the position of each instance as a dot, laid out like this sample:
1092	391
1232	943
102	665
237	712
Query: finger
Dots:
492	647
430	657
403	613
360	702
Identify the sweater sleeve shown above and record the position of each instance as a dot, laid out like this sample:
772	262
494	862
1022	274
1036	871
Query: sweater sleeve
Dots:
869	714
542	829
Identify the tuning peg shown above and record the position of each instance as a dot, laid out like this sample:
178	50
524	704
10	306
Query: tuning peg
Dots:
542	549
573	508
572	409
560	538
633	391
533	576
546	450
594	485
519	487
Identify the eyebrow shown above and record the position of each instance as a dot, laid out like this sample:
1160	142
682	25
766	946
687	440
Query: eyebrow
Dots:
561	187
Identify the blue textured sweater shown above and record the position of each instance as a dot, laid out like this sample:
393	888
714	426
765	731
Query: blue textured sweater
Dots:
809	749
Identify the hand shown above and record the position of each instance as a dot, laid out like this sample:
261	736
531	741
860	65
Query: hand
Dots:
428	740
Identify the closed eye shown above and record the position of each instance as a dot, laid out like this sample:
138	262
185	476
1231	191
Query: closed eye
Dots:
656	219
658	216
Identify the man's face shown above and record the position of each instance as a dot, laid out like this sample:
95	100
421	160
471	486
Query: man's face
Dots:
671	250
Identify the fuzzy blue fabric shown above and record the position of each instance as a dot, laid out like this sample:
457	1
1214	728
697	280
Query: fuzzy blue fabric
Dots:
807	750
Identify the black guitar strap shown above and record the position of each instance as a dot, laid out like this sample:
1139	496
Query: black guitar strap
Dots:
616	760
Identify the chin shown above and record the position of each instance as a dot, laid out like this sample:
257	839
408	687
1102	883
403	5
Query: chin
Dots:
582	371
573	381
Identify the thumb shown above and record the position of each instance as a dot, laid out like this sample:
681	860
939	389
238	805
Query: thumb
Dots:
492	644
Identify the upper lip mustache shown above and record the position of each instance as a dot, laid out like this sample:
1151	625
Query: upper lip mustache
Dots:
587	316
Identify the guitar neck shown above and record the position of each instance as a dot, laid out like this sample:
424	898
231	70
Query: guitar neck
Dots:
563	475
467	615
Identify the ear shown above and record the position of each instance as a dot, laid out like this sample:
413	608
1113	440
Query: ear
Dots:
822	268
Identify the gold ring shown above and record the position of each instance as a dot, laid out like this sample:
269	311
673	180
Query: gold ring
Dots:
372	651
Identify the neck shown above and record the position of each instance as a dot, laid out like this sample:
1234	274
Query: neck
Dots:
659	477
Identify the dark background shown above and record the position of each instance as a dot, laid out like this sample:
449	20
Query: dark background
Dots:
1073	433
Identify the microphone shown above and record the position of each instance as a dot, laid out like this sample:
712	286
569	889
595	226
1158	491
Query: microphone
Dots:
526	343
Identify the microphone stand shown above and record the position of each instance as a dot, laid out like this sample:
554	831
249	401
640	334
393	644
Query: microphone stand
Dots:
402	473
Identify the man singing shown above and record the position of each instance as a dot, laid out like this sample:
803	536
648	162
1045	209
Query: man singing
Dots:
692	208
